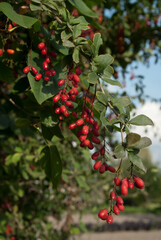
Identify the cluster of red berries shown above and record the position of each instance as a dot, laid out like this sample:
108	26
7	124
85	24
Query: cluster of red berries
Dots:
46	65
9	231
117	201
65	97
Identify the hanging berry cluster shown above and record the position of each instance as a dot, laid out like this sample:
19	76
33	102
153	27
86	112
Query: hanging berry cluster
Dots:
48	70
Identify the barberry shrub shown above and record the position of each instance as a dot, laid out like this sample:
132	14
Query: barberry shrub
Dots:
62	74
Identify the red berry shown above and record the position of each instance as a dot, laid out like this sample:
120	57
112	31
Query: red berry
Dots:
102	151
48	73
1	52
41	45
47	60
124	181
84	114
10	27
106	166
38	77
62	109
57	110
111	169
44	51
61	82
124	189
14	24
120	207
75	84
109	219
53	54
77	70
69	104
91	121
119	200
138	182
85	130
112	195
97	165
116	210
46	79
80	122
66	113
52	72
26	69
56	98
86	143
95	132
45	65
117	181
11	51
103	214
91	146
82	137
75	91
96	125
34	70
72	98
95	155
102	169
74	113
76	78
72	125
130	184
95	140
64	98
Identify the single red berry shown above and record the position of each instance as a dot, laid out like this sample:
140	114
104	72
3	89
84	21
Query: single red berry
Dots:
48	73
12	238
1	52
38	77
95	140
14	24
61	82
78	70
62	109
102	151
66	113
34	70
91	121
72	98
103	214
57	110
111	169
44	51
95	155
64	97
86	143
120	207
52	72
85	130
74	114
96	125
124	181
76	78
75	91
112	195
82	137
102	169
80	122
75	84
56	98
11	51
69	104
10	27
116	210
130	184
117	181
124	189
84	114
106	166
119	200
46	79
53	54
26	69
138	182
45	65
109	219
61	118
97	165
72	125
91	146
95	132
47	59
41	45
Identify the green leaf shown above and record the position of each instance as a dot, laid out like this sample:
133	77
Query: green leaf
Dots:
120	151
83	8
141	120
111	82
103	118
35	7
108	72
137	161
49	132
51	163
43	90
16	157
92	78
6	74
48	118
97	41
122	102
99	106
102	61
76	55
143	143
132	139
22	123
68	44
102	98
82	182
23	21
